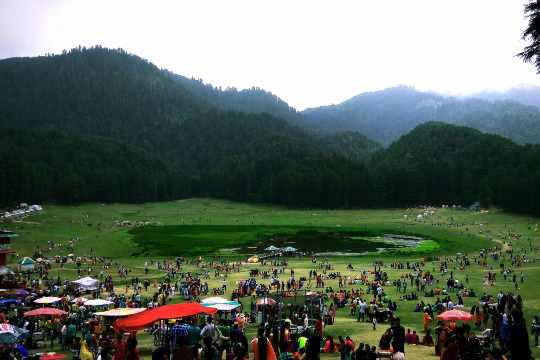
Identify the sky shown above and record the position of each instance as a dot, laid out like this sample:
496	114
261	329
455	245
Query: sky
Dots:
308	52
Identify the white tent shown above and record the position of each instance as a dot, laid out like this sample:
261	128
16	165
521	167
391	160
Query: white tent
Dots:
224	307
214	300
289	249
271	248
4	270
97	302
27	264
87	283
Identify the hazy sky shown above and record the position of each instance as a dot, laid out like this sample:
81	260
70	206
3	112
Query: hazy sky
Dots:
308	52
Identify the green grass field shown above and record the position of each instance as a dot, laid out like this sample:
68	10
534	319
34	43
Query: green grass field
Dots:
206	225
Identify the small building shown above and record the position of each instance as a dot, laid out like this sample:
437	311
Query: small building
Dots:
5	245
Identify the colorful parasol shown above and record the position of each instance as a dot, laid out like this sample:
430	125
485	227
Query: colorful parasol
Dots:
45	311
10	334
454	315
47	300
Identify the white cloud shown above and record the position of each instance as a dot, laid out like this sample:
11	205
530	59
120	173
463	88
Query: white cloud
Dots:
308	52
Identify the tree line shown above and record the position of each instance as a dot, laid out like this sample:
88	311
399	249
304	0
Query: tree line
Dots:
102	125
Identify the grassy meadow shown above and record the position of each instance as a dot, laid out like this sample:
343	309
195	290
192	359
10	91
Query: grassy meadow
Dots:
192	226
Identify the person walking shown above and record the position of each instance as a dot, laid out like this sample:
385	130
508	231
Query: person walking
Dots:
535	329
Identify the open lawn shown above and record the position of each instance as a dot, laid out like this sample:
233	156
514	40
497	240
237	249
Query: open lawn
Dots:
205	225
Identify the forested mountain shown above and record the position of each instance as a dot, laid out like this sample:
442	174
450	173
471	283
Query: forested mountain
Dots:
108	95
103	125
445	164
386	115
527	95
253	100
48	165
95	91
351	145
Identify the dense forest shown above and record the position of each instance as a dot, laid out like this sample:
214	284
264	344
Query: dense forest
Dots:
103	125
387	114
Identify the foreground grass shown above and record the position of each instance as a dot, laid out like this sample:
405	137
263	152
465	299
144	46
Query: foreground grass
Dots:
455	231
96	225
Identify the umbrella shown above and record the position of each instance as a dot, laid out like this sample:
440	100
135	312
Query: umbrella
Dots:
10	334
52	356
120	312
8	338
97	302
271	248
45	311
47	300
266	301
8	328
22	293
453	315
289	249
8	302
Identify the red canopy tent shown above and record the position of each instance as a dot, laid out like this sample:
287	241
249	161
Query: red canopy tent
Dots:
146	318
453	315
45	311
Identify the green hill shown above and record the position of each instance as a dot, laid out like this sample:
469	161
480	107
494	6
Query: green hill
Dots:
103	125
386	115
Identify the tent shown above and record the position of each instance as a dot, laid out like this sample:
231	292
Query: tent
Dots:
120	312
97	302
214	300
45	311
148	317
47	300
228	306
271	248
289	249
223	307
4	270
220	303
27	264
87	283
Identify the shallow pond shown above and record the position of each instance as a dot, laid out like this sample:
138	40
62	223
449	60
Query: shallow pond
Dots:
329	243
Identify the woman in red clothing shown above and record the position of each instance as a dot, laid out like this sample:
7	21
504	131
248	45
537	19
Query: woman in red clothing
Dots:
119	348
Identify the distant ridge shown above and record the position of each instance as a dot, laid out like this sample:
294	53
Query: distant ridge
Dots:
387	114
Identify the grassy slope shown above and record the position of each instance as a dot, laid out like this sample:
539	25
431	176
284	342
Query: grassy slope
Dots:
59	224
94	223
